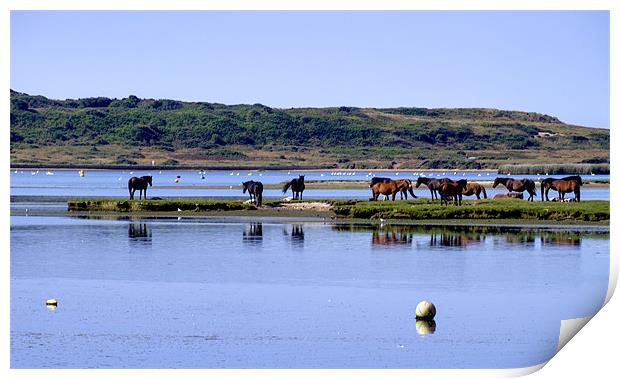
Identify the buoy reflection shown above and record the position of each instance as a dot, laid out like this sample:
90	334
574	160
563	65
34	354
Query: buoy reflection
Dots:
425	327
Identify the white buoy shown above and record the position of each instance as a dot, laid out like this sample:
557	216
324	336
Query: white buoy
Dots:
425	310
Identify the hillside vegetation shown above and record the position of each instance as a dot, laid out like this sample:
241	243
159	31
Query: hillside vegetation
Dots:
132	131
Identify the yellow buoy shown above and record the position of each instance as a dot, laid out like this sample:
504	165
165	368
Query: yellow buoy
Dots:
52	304
425	310
425	326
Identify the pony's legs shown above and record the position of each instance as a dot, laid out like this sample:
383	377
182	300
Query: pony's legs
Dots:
578	194
131	194
145	193
301	195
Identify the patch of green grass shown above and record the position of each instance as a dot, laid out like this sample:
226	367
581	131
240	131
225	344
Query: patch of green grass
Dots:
555	169
595	210
168	205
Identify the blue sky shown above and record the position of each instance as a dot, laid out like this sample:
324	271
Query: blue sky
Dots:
549	62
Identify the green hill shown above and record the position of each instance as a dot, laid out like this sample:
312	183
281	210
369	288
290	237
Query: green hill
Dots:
133	131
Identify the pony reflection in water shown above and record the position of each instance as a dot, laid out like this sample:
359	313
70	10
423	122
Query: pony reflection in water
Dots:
140	183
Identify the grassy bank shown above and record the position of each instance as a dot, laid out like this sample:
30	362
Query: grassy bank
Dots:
490	210
555	169
173	205
590	211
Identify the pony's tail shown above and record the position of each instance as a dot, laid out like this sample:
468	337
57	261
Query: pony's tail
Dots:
286	187
484	192
259	199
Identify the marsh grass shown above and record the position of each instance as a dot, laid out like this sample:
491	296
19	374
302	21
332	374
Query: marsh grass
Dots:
167	205
594	210
555	169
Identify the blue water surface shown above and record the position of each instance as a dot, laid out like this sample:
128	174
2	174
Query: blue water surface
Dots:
196	293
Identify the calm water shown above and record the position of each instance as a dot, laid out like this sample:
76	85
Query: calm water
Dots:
194	293
114	183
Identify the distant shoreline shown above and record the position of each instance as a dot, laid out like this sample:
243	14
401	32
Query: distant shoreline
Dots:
228	168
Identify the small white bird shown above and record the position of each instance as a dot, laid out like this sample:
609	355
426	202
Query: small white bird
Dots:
179	209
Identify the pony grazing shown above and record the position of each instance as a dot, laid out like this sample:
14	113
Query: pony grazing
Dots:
403	192
255	189
140	183
432	184
474	189
562	188
391	188
452	190
514	185
297	186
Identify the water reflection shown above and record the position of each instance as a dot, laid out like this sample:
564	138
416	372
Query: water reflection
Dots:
296	234
528	238
563	239
424	327
391	235
253	233
454	239
462	236
139	233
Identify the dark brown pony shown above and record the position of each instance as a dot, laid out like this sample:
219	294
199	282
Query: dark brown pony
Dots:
255	189
140	183
391	188
563	186
514	185
403	192
297	186
474	189
432	184
451	190
547	184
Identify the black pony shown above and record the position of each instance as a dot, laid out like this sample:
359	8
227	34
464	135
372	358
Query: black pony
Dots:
141	184
297	186
255	189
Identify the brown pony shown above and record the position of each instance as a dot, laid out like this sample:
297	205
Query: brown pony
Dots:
518	186
547	184
451	189
562	186
391	188
141	184
474	189
432	184
403	192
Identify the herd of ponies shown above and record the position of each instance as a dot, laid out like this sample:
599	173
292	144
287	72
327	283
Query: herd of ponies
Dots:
445	189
